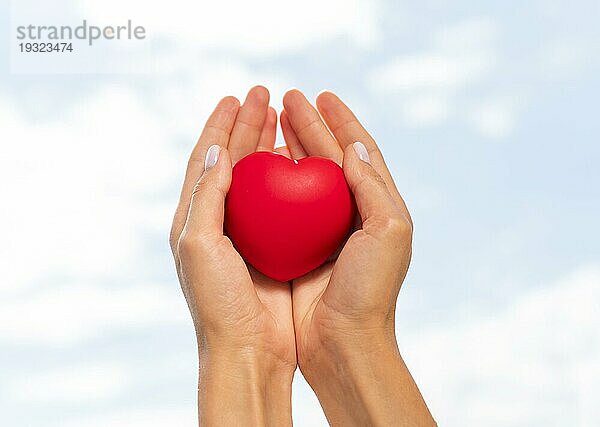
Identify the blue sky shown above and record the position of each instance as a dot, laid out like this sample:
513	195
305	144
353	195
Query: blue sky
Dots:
487	113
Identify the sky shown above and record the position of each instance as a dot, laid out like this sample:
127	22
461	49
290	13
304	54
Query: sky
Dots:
487	114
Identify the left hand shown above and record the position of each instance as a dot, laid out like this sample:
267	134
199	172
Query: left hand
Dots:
243	319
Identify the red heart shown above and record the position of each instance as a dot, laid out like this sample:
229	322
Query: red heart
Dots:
287	217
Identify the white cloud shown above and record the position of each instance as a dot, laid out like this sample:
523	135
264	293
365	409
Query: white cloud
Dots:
66	314
535	362
83	188
471	35
82	192
430	70
254	28
496	118
188	99
427	85
460	55
151	417
77	188
72	385
568	58
80	189
425	110
178	34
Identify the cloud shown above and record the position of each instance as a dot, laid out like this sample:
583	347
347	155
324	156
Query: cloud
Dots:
429	86
534	362
568	58
496	117
81	198
178	35
424	110
90	176
431	70
261	27
189	98
86	186
67	314
148	417
80	189
70	385
459	55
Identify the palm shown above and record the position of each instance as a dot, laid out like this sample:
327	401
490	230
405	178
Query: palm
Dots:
338	296
322	298
276	301
256	306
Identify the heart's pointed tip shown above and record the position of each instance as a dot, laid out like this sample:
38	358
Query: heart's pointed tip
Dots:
280	277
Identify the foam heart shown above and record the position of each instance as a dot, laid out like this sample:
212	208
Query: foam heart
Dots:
287	217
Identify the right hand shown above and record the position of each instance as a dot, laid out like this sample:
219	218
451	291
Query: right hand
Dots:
344	311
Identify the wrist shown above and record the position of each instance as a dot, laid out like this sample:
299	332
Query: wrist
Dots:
362	380
347	354
243	387
348	344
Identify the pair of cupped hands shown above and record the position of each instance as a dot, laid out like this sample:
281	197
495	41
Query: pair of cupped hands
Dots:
336	323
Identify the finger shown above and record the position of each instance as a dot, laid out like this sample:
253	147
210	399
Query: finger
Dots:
347	129
375	204
216	131
200	248
283	151
266	142
249	123
309	128
207	207
292	142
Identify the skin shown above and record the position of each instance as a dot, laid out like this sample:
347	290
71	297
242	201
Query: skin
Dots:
243	319
344	311
337	322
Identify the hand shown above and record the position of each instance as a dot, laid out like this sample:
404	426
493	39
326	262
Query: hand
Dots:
243	320
344	311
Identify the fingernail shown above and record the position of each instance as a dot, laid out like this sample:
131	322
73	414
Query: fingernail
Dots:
212	155
361	151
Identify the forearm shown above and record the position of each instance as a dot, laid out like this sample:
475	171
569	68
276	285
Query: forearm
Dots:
365	382
243	390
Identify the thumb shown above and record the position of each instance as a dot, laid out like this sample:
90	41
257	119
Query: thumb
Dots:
207	207
373	199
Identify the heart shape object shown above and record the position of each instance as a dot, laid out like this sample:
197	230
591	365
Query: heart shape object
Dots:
287	217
